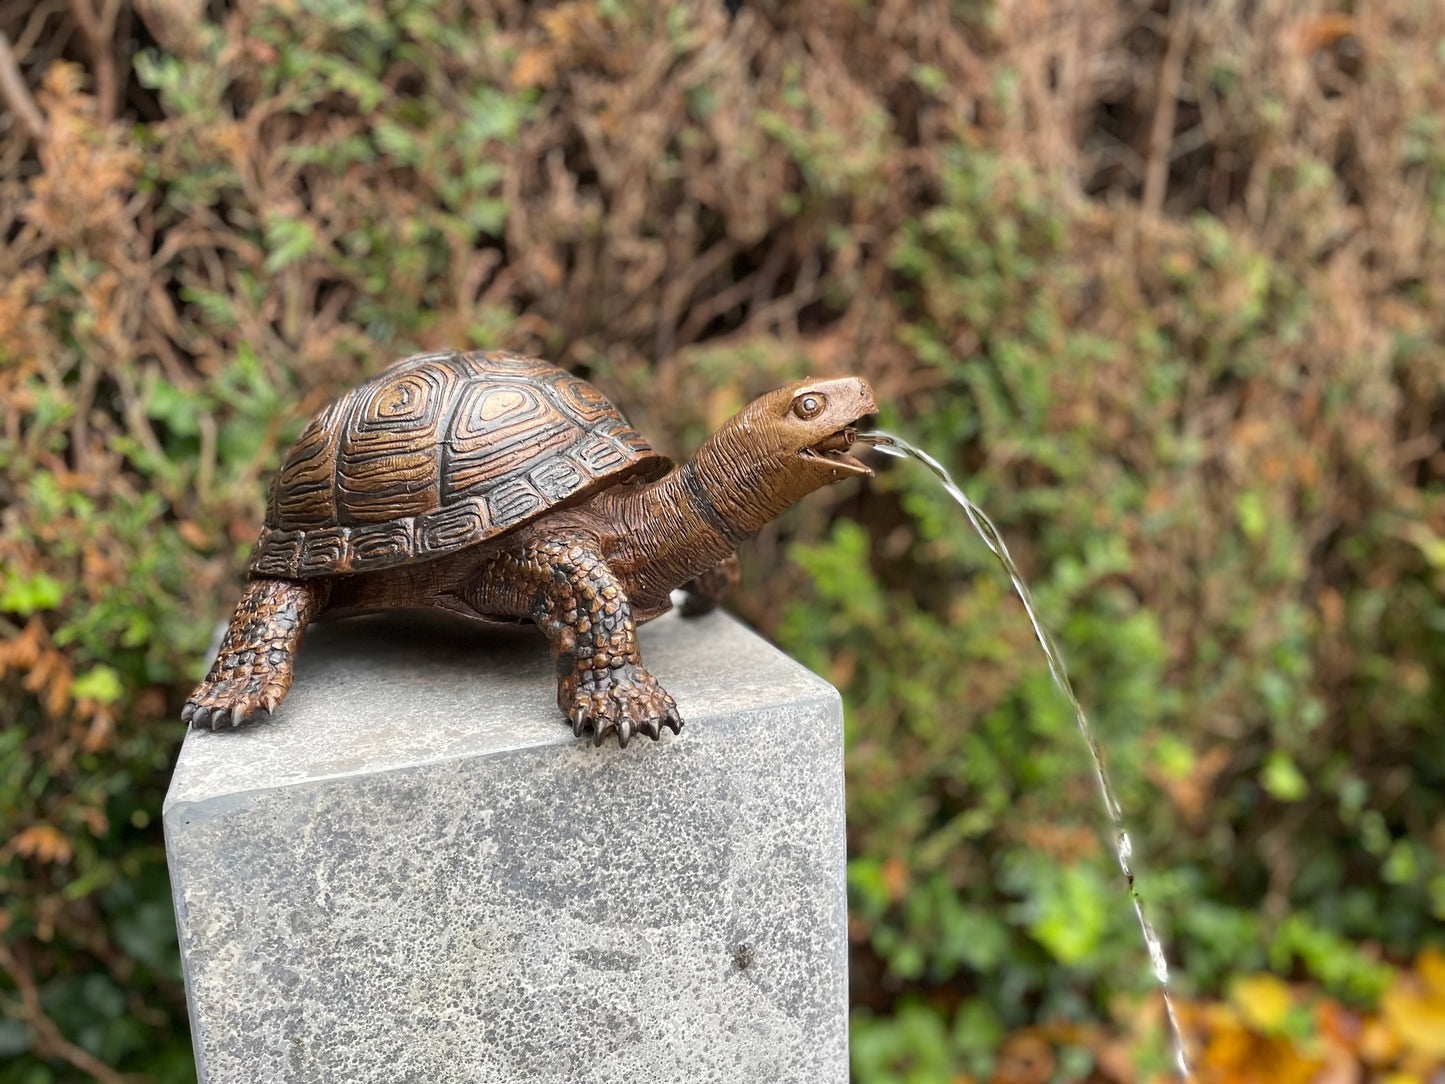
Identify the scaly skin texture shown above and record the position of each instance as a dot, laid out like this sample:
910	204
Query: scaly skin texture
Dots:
252	671
564	585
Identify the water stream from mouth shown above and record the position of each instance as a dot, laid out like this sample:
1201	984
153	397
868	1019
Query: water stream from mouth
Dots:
1123	847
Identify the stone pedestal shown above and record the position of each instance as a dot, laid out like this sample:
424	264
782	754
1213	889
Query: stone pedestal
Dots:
415	873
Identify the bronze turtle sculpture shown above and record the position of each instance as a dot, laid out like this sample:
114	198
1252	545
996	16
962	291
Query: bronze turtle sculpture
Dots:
503	488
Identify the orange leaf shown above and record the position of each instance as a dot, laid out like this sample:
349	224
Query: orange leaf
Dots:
1430	966
895	877
42	842
193	535
536	67
1416	1014
1325	31
1025	1059
1378	1042
100	731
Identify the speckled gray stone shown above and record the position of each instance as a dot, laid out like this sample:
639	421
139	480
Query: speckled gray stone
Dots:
415	873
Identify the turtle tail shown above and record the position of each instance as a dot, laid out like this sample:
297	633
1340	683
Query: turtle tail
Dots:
252	671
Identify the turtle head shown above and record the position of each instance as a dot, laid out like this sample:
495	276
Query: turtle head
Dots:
776	450
785	444
804	430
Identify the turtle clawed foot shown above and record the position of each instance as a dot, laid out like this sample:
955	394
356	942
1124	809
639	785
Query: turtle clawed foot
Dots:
606	728
622	728
654	726
229	702
624	702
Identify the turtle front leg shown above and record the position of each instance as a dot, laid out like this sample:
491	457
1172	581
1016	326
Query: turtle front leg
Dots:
252	671
580	605
705	592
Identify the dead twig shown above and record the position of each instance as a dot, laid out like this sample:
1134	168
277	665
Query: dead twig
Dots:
1161	133
49	1042
99	33
16	95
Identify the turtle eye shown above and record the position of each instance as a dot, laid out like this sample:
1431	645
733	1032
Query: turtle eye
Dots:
809	406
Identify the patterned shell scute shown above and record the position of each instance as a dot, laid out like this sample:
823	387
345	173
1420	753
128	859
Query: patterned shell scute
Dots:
438	452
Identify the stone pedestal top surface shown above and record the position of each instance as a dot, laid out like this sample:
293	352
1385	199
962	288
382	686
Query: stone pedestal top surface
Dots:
379	693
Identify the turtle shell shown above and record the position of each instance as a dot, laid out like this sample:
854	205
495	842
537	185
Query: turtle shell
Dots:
438	452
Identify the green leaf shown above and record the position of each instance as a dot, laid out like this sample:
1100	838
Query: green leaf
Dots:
24	595
1282	779
1071	917
1253	519
100	683
288	241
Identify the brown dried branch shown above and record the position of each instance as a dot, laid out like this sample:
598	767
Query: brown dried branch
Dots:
49	1042
176	24
1166	105
16	95
99	33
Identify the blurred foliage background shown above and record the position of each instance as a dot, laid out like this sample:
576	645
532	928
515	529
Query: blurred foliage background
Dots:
1163	281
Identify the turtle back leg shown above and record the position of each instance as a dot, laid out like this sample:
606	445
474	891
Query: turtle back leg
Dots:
252	670
566	587
706	592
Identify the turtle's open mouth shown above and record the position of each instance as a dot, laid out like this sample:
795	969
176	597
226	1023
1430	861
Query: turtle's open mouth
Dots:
835	447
